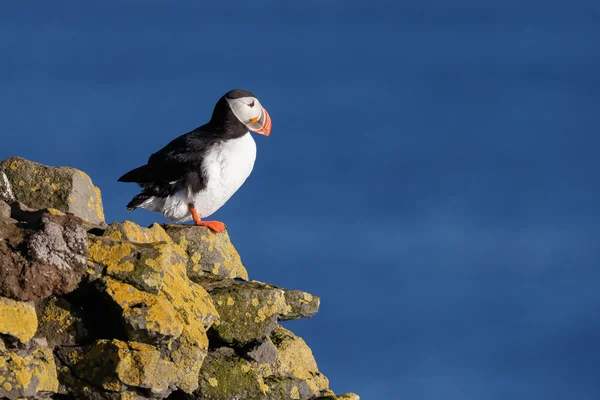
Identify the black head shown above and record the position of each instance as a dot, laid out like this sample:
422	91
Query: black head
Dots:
237	112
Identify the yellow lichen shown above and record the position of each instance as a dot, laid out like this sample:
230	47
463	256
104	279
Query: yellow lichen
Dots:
213	382
230	301
295	393
17	319
35	372
255	302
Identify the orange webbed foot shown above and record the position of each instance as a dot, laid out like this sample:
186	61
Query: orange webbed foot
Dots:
216	226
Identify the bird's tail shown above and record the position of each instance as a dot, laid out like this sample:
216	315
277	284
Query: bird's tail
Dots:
139	175
138	200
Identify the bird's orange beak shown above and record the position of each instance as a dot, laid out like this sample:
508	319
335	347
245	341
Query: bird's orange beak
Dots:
263	124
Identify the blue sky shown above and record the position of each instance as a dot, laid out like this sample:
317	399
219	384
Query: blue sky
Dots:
432	172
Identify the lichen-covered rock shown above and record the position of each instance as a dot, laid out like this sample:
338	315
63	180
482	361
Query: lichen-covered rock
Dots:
27	373
118	366
192	301
63	188
37	263
132	232
301	305
148	318
17	319
345	396
225	376
290	373
250	310
60	323
141	265
294	357
210	255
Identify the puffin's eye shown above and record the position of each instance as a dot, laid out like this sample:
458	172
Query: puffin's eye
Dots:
251	104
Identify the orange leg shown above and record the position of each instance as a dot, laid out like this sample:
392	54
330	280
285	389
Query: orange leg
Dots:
214	225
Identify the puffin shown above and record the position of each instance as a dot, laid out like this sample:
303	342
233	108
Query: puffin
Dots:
195	174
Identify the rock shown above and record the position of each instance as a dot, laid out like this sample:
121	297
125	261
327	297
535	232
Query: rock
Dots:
141	265
118	366
249	310
17	319
62	243
301	305
225	376
148	318
192	301
264	352
131	232
210	255
294	357
39	186
4	210
291	374
35	264
60	323
27	373
345	396
197	313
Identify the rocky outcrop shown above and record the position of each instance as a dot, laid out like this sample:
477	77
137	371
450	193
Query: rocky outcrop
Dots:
119	311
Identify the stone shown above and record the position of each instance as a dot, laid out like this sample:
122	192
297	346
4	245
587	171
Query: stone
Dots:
148	318
63	188
345	396
210	254
4	210
62	243
224	376
264	352
291	374
301	305
141	265
294	357
60	323
36	264
132	232
17	319
250	310
27	373
116	366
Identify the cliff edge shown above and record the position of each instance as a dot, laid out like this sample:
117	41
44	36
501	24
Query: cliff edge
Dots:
96	311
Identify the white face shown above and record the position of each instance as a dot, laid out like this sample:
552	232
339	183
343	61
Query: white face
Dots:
248	110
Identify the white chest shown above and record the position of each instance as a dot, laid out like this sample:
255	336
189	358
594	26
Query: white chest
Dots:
227	165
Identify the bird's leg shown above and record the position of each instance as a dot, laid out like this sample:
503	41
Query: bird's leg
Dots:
214	225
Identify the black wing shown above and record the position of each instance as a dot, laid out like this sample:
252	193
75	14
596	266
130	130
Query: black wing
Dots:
182	156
